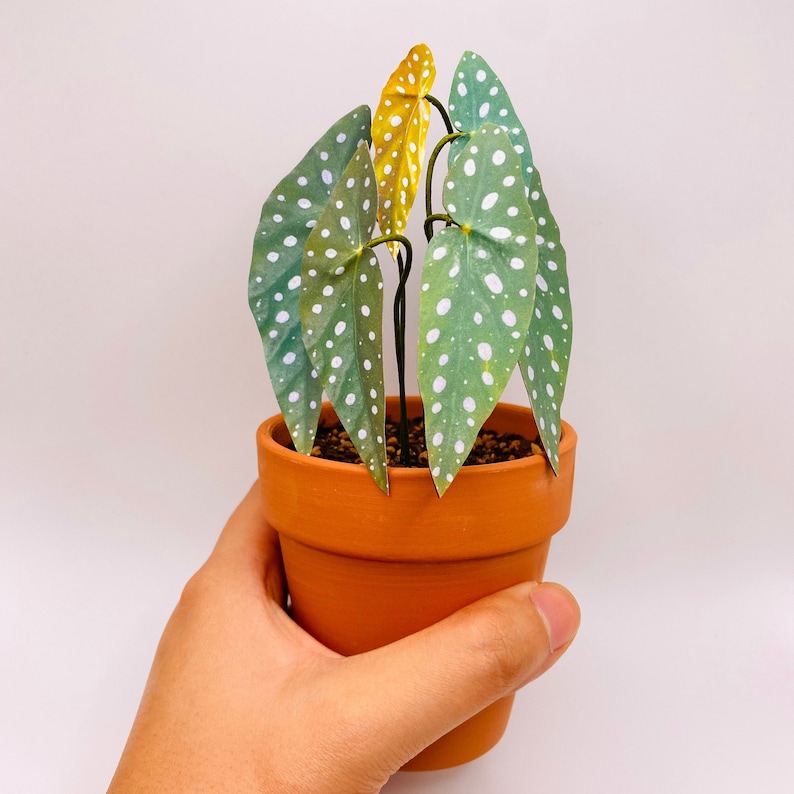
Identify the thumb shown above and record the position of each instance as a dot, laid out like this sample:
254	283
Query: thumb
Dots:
419	688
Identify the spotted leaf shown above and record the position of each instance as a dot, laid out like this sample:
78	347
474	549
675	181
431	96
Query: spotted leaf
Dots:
477	96
399	132
546	352
476	298
341	309
288	215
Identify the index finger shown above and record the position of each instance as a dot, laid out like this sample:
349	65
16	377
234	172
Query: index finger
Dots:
249	548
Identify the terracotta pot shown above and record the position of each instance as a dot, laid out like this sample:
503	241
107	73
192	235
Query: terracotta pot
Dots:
365	569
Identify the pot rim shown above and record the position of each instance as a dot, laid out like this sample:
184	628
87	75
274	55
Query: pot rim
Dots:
276	423
488	510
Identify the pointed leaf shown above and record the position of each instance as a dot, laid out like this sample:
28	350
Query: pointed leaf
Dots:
399	132
545	357
341	307
476	299
288	216
477	96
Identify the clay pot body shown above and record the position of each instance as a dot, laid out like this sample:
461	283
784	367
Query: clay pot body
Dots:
365	569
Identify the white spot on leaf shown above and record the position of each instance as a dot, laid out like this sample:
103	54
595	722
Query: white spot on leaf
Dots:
494	283
489	200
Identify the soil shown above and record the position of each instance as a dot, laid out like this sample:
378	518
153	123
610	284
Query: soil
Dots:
333	443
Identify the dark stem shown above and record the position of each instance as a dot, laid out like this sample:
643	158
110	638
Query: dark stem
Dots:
431	163
404	269
431	219
442	110
399	344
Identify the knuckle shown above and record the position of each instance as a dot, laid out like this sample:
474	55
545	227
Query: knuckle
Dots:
198	590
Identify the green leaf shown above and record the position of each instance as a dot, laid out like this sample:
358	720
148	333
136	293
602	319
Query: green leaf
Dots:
477	94
476	97
288	216
341	309
476	298
545	357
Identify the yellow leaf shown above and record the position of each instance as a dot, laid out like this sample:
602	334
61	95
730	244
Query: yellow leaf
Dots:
399	132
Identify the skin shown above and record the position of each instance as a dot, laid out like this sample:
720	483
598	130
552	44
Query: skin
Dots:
240	699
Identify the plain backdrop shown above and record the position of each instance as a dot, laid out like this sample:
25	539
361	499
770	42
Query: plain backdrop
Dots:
139	140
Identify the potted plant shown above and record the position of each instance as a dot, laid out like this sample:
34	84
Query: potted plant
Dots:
375	551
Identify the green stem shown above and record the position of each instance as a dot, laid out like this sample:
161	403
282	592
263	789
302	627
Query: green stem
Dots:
442	110
431	163
399	333
431	219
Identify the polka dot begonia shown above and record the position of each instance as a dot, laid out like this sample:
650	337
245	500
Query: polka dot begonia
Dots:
545	355
493	292
341	311
399	132
477	306
288	216
478	95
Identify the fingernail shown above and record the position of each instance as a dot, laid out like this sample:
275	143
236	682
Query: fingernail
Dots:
559	611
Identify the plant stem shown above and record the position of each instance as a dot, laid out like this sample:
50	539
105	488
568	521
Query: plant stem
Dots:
442	110
431	219
399	345
431	163
404	269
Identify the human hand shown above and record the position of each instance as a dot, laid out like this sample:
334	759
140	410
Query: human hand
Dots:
240	699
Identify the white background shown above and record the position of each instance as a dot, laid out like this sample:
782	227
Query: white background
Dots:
139	141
